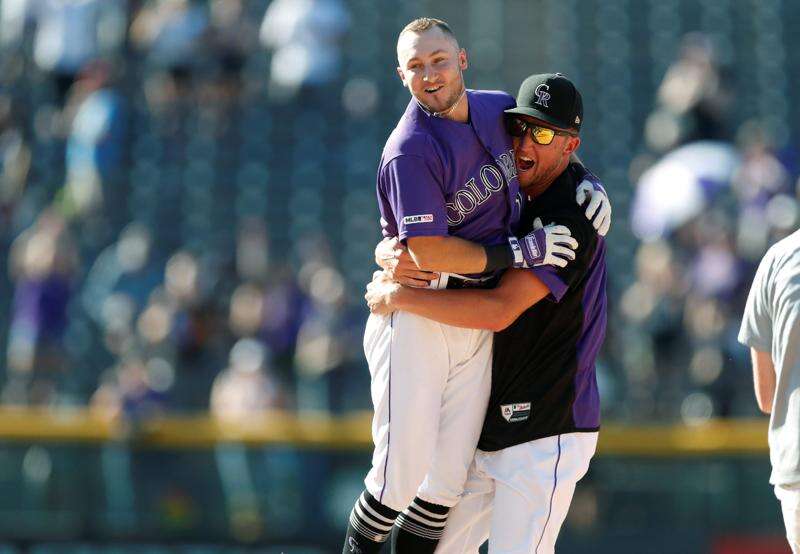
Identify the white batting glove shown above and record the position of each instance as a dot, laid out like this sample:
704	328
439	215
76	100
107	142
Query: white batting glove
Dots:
550	245
599	209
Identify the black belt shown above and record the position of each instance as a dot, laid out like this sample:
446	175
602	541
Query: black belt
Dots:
456	283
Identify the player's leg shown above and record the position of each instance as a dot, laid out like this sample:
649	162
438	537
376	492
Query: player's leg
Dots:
408	363
534	484
468	524
790	506
463	409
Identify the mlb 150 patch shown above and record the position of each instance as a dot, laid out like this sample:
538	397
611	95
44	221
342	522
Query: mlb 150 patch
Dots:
514	413
423	218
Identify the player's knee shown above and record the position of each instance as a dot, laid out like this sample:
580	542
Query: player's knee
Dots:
402	488
400	498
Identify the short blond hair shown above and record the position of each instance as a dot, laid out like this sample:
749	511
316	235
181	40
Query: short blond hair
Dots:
422	24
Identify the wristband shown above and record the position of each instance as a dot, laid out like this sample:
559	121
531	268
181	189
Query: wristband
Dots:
516	250
499	256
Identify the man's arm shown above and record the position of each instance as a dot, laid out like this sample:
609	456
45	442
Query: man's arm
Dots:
544	246
397	263
756	332
447	253
493	309
763	379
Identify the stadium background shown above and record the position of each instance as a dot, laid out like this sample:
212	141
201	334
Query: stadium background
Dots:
187	216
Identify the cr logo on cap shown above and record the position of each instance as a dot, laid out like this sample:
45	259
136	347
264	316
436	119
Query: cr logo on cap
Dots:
542	96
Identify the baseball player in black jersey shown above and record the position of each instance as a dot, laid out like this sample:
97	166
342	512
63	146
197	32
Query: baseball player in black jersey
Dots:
542	422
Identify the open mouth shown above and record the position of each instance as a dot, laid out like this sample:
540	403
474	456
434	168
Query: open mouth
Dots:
524	163
432	90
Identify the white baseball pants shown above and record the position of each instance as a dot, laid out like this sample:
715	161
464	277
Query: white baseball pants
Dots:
430	389
518	497
790	506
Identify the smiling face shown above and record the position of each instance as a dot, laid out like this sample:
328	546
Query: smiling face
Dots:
430	66
538	165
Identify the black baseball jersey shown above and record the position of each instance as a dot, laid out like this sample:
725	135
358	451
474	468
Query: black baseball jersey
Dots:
543	368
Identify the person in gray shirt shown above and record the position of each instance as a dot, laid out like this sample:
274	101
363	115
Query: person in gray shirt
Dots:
771	328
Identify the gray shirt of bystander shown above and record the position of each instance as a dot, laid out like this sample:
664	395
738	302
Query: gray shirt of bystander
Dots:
771	324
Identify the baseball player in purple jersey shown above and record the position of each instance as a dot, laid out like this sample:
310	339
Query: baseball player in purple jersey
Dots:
447	187
541	426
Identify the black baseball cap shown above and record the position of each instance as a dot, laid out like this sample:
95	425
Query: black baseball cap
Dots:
552	98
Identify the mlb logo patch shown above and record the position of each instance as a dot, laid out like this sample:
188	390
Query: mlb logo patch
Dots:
422	218
514	413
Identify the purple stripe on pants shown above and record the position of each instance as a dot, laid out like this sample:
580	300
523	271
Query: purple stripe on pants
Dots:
552	493
389	423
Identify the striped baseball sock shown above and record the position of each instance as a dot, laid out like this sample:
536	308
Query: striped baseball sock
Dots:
369	527
419	528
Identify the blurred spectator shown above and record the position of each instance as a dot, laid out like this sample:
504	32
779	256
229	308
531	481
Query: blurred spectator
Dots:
132	394
305	39
246	310
177	324
95	141
117	289
694	175
196	328
321	347
285	309
125	268
764	189
274	313
246	386
231	34
328	356
230	37
13	19
221	55
169	33
15	159
133	391
72	33
761	175
155	325
240	397
692	100
43	265
252	250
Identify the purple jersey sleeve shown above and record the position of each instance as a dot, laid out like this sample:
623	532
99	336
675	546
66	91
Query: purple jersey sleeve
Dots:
413	194
548	274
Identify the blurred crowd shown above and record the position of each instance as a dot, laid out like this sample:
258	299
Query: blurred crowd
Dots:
122	296
103	308
709	199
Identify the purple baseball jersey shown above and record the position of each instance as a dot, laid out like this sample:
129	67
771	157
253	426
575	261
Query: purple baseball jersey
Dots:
543	366
440	177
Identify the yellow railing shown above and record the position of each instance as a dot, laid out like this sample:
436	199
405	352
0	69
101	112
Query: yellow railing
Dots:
716	437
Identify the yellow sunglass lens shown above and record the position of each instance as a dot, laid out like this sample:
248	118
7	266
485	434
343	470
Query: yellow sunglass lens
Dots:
542	135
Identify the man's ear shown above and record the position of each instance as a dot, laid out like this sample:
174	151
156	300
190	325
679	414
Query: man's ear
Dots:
402	76
463	62
572	145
